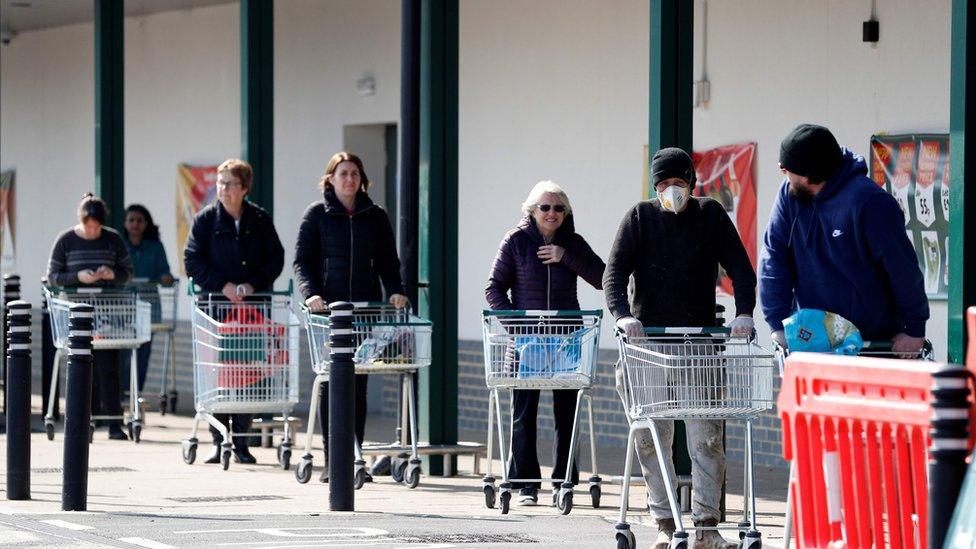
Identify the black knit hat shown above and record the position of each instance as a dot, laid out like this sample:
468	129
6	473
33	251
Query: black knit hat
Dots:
672	162
811	151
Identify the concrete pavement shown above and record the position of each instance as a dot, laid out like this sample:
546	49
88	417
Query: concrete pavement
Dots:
144	495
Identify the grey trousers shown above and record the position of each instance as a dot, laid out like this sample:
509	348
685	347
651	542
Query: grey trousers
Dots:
707	464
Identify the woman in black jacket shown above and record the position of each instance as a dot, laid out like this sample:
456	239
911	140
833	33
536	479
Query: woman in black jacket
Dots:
538	263
346	251
90	254
233	250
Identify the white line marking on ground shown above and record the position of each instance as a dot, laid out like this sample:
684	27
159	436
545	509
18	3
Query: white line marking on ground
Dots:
143	542
11	537
68	525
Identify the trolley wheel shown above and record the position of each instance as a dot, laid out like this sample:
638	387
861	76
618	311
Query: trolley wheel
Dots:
679	543
505	499
489	496
225	459
398	469
748	542
49	429
137	433
284	457
172	401
303	472
360	478
163	403
413	477
189	453
595	493
566	503
626	541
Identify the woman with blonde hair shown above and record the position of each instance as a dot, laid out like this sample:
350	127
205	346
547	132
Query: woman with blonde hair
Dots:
537	267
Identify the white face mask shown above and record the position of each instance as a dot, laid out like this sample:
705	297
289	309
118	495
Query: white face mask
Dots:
674	198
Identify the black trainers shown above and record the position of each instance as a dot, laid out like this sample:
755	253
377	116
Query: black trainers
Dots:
115	432
324	477
214	455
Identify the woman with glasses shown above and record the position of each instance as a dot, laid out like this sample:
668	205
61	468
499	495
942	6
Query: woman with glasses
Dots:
233	251
536	267
346	251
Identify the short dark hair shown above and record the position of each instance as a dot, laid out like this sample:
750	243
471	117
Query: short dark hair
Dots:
92	208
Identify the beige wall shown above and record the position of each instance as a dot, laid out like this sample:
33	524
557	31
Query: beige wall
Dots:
549	89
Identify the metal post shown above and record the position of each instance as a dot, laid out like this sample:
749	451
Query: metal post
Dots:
77	420
257	97
342	409
18	391
11	292
109	108
407	188
47	358
947	455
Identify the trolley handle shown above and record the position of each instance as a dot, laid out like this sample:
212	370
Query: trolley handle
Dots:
927	352
535	313
191	290
145	283
361	305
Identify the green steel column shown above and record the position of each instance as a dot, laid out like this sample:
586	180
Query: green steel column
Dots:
670	123
257	97
438	244
109	108
671	80
962	155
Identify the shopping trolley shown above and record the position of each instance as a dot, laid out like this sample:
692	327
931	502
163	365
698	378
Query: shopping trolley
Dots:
880	349
245	361
122	321
387	341
163	300
692	373
539	350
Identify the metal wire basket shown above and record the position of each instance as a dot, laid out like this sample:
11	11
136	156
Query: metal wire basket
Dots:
122	320
695	373
540	349
387	339
245	354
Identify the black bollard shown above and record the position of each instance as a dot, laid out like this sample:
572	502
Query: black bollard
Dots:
77	408
11	292
342	409
18	390
947	453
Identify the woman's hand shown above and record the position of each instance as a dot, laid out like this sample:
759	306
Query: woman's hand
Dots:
87	276
166	280
316	304
105	273
245	290
399	301
551	254
230	292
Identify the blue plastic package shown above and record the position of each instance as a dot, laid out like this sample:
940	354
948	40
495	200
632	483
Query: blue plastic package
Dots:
816	331
546	356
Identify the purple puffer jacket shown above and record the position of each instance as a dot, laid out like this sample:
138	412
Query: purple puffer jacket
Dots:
534	285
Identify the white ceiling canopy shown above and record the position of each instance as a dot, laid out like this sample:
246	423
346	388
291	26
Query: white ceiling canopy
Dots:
26	15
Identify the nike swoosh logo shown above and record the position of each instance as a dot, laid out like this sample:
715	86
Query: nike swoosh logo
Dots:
837	232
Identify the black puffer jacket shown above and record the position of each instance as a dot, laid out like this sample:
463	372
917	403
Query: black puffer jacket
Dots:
533	284
343	256
217	253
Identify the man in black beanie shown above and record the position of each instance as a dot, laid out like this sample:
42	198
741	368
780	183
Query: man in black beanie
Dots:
836	241
673	245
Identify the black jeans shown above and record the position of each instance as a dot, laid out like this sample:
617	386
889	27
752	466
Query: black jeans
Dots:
360	410
106	400
237	423
525	459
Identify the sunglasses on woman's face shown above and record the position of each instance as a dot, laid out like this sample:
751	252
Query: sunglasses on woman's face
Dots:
558	208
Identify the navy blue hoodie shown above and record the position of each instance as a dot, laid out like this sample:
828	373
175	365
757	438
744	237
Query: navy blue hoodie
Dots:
846	251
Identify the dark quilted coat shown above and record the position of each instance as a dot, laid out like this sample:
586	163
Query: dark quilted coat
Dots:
342	256
217	253
533	284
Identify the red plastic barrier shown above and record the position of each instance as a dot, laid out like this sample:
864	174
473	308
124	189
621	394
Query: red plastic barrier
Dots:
858	431
971	354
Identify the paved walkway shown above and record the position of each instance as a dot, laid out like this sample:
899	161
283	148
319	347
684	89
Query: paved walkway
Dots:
144	495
